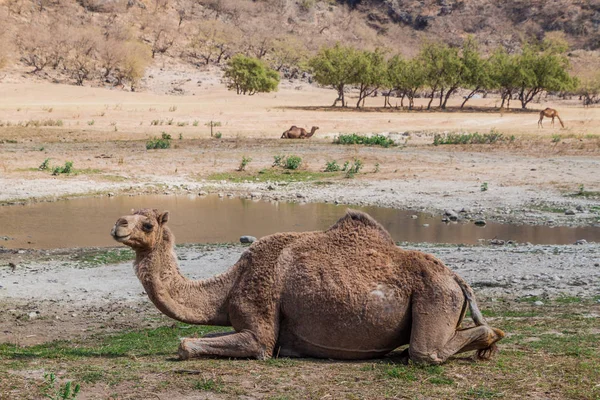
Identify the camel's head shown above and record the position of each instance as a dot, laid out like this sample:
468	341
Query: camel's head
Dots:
143	229
312	131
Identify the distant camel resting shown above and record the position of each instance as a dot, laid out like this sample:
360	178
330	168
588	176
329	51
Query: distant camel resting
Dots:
549	113
298	133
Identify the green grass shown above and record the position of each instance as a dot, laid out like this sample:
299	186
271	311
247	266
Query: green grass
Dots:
471	138
375	140
106	257
269	175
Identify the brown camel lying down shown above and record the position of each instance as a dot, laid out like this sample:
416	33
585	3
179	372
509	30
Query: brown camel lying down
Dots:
346	293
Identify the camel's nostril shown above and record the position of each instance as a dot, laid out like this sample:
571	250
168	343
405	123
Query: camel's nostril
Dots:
122	222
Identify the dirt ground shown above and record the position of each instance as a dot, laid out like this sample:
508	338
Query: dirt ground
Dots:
88	295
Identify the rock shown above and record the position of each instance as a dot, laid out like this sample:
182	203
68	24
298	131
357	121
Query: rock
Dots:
414	216
202	193
538	303
33	314
579	208
581	241
426	225
452	215
247	239
220	195
270	187
110	194
445	219
480	222
570	211
255	195
300	195
497	242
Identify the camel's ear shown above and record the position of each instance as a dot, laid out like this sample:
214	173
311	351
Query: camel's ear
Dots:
163	218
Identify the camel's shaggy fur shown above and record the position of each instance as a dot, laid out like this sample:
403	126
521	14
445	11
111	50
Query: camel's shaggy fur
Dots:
298	133
346	293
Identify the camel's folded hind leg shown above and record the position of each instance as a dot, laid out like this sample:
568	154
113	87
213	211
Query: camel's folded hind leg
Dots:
236	344
435	335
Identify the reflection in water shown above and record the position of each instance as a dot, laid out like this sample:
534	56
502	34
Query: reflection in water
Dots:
87	222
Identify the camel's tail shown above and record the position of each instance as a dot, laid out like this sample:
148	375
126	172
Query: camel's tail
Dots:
470	297
560	120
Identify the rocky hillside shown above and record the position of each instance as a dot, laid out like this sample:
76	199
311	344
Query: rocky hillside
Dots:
81	41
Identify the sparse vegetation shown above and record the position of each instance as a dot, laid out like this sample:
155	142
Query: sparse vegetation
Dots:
164	142
278	160
471	138
292	162
44	165
332	166
353	168
484	187
374	140
245	161
54	391
66	169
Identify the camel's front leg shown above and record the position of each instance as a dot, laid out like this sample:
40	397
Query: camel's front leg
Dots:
236	344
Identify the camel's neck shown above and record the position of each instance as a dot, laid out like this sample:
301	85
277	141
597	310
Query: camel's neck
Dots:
194	302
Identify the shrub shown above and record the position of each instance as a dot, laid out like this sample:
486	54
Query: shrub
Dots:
218	135
67	169
292	162
45	165
245	161
249	75
278	161
471	138
332	166
353	168
375	140
164	142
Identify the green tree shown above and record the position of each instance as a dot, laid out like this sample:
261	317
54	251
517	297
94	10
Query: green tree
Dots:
370	74
432	57
504	74
542	70
406	77
453	76
336	67
589	90
477	70
249	75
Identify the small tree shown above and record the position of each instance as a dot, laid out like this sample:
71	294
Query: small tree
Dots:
132	66
477	70
504	74
81	61
589	90
540	71
370	74
249	75
406	77
432	57
336	67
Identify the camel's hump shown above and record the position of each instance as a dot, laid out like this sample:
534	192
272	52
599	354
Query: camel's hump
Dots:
355	217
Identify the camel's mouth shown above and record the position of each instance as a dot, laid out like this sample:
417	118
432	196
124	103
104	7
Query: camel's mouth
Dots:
120	238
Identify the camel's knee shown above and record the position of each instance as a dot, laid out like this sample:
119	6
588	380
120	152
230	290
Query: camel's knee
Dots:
424	357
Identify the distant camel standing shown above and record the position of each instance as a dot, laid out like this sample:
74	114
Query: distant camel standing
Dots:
549	113
298	133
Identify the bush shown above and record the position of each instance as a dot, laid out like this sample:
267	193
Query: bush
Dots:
45	165
249	75
245	161
353	168
332	166
375	140
278	161
67	169
292	162
471	138
164	142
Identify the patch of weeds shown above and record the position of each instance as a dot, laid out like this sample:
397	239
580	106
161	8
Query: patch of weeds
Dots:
332	166
400	372
482	393
218	135
164	142
471	138
90	123
209	385
581	192
484	187
108	257
354	168
182	123
278	161
292	162
281	362
41	148
564	299
156	122
375	140
195	123
170	121
556	138
45	165
270	175
376	170
66	169
181	136
172	108
51	389
245	161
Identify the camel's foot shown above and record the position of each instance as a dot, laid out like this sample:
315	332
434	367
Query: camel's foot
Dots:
184	351
488	352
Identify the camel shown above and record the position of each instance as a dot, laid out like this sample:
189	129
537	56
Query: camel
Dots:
549	113
298	133
345	293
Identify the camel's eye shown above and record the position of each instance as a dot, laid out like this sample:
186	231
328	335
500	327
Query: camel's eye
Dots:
147	226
